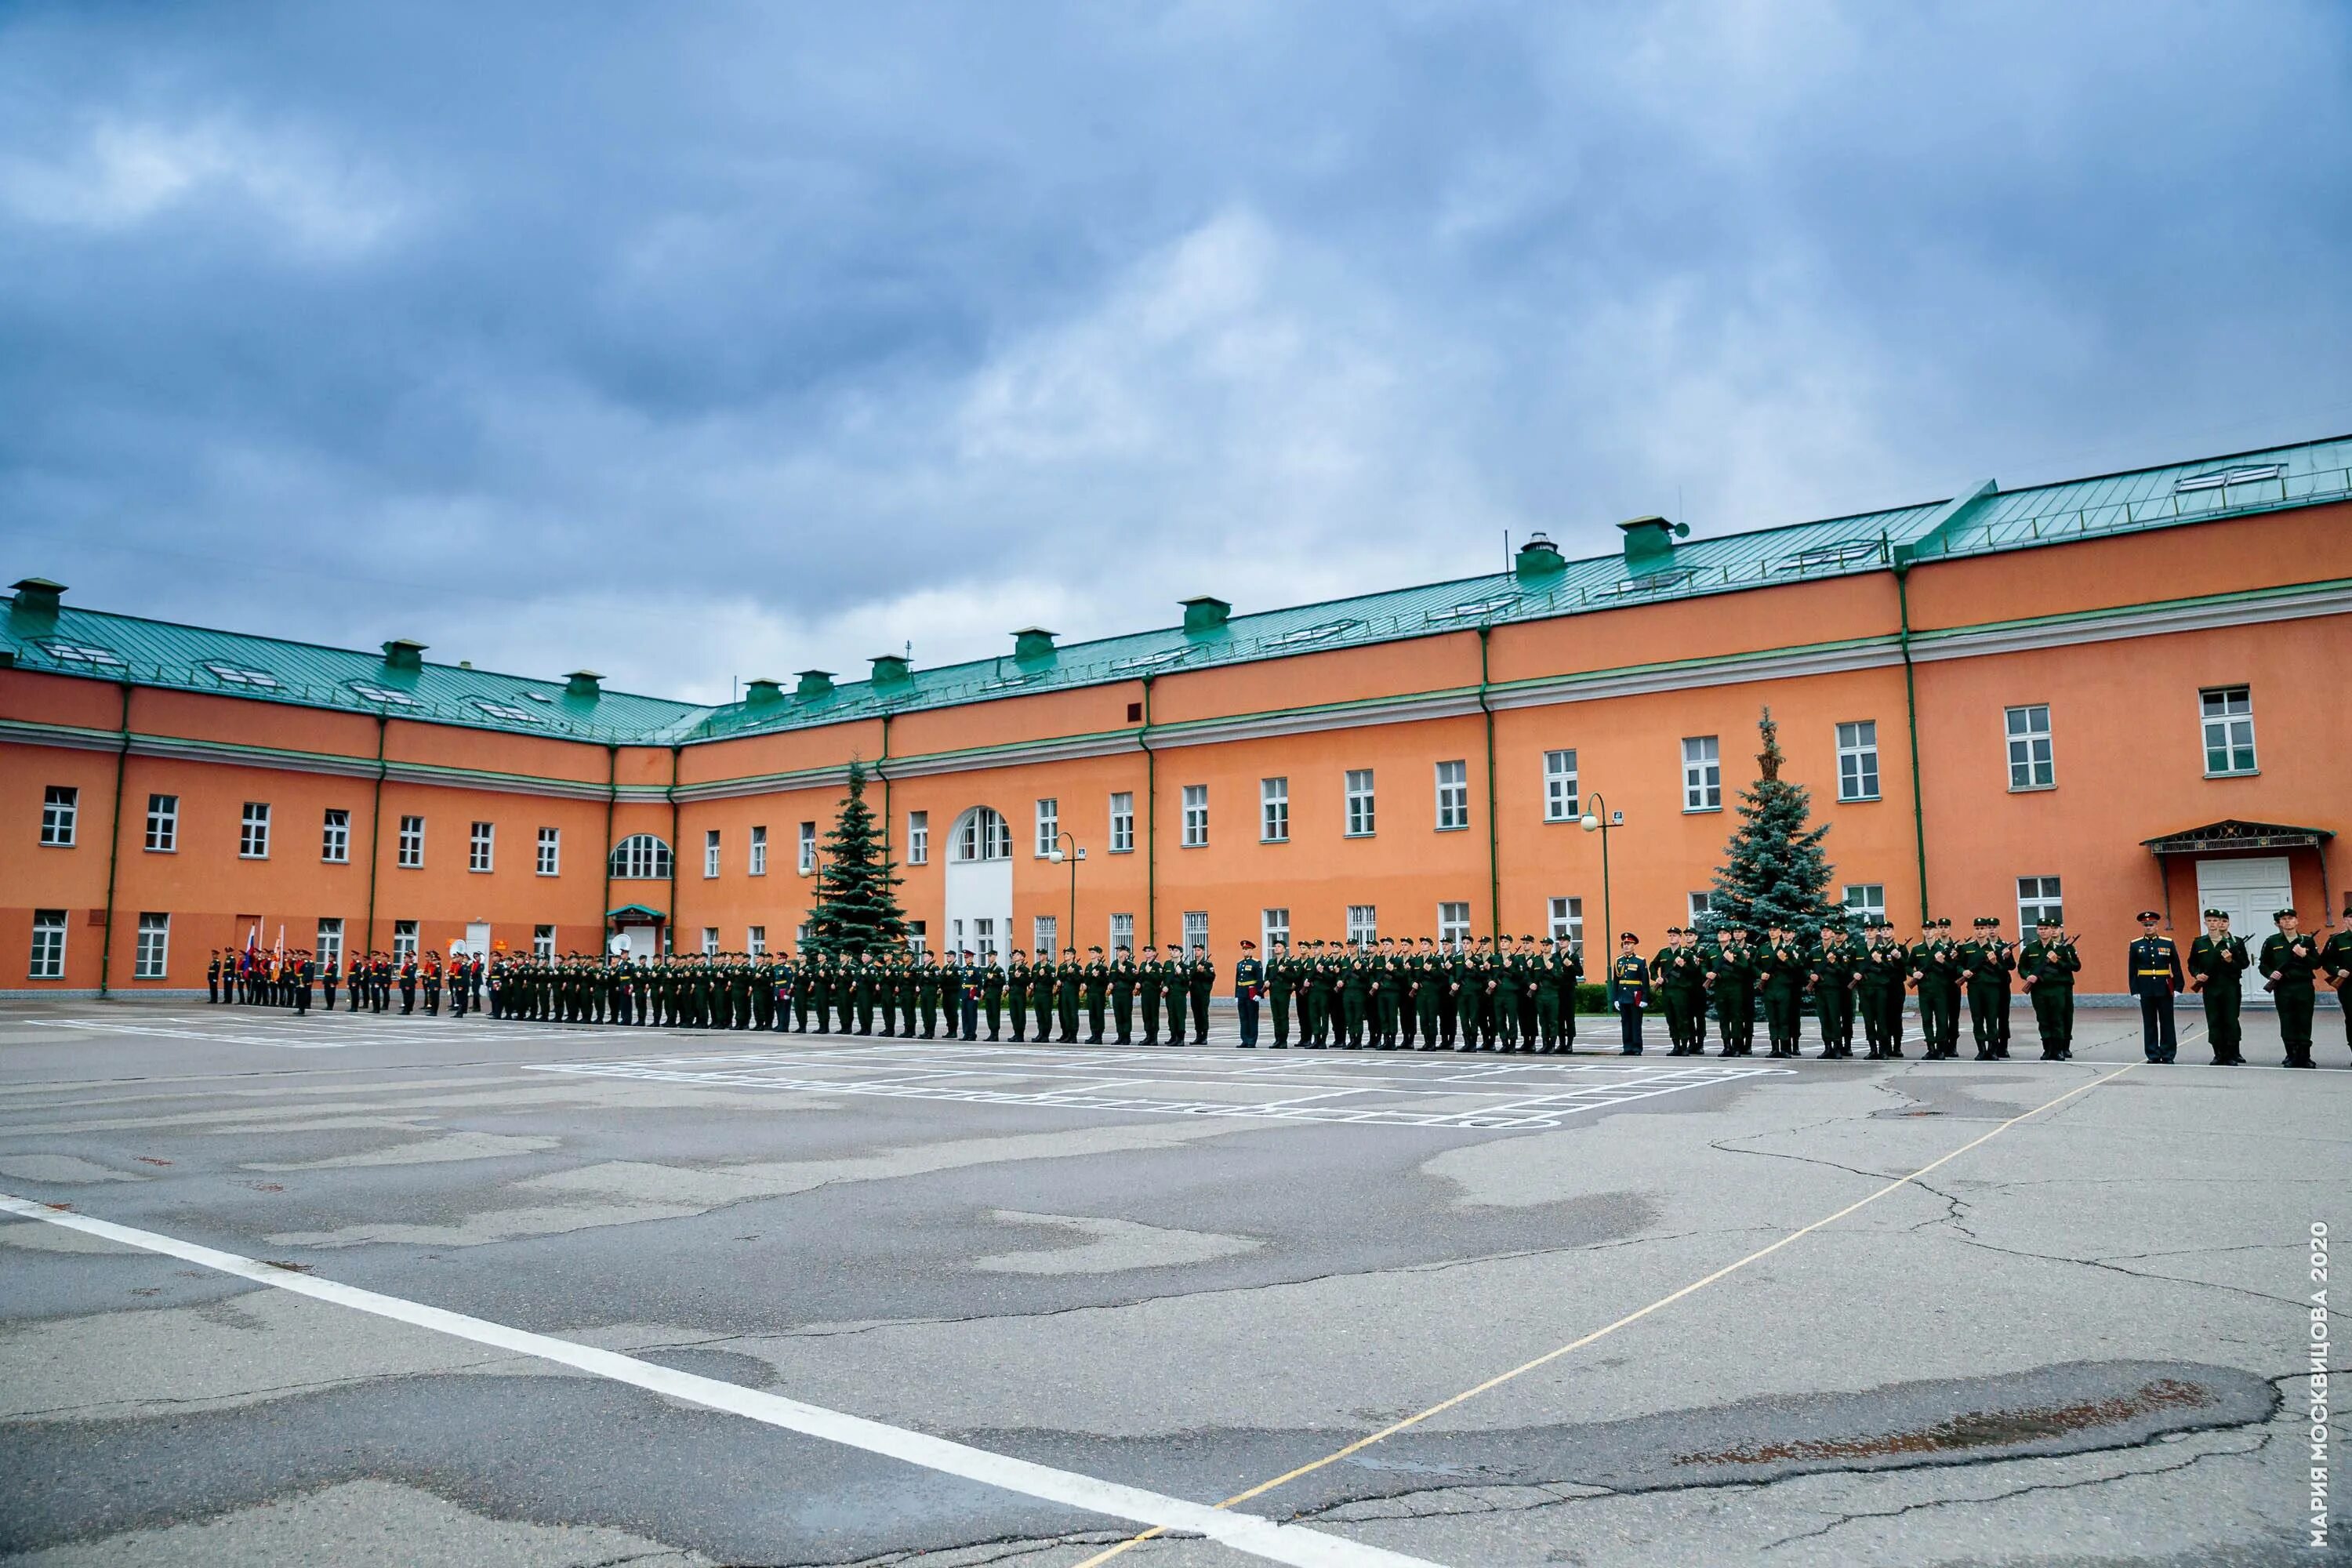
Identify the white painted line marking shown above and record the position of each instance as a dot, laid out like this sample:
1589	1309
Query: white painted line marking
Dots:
1243	1532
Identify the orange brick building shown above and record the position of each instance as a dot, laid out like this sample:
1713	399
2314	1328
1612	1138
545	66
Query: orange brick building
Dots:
2108	693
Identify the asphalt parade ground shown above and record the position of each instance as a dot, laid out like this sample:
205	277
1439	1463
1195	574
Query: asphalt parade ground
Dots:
377	1289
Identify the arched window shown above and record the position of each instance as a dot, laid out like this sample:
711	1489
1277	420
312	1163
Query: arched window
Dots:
642	858
981	835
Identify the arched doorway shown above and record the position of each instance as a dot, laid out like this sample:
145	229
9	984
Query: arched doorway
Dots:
979	884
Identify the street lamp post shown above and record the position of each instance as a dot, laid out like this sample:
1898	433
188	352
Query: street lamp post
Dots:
1056	857
1596	819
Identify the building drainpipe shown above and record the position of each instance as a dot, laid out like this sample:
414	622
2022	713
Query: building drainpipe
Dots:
1911	718
1494	865
675	848
114	849
1150	825
376	830
882	772
611	800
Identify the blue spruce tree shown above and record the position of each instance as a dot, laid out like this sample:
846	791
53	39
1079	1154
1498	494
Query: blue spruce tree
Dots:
1774	872
857	908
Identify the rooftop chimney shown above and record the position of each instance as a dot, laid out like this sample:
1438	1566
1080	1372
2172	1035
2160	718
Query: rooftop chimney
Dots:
889	666
1652	538
763	689
815	683
38	597
1203	613
584	683
1538	557
1033	645
403	653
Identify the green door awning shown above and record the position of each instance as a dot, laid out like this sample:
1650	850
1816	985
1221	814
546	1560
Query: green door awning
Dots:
634	913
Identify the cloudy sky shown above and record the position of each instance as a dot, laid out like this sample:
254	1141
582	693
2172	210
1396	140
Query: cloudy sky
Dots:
693	341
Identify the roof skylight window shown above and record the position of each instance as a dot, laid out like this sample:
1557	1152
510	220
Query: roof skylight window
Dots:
1152	660
1644	586
2223	479
239	675
1473	611
506	710
82	653
1321	633
1842	553
383	695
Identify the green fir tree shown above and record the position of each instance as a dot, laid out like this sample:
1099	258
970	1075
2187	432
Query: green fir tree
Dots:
857	908
1774	872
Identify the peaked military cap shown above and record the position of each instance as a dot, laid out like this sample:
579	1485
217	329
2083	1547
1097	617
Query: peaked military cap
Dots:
2217	915
2281	914
2149	915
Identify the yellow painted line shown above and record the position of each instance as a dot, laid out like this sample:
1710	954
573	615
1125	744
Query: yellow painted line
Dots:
1729	1269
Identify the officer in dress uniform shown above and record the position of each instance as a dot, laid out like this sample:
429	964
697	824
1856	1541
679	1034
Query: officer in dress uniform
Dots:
2048	966
1249	984
1629	992
2154	968
2290	962
2217	965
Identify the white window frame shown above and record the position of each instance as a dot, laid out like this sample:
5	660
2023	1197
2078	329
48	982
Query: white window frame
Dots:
2034	895
1196	927
550	861
713	845
983	937
163	824
1857	759
1274	811
2033	753
807	852
482	847
983	835
1561	797
755	941
335	836
1045	937
919	838
1865	899
328	945
1453	922
756	860
542	943
252	831
410	855
60	814
642	858
1700	904
1273	926
1454	795
1363	923
1122	934
1196	815
709	941
1049	825
1122	822
1702	774
2226	716
47	960
1362	799
152	958
404	940
1565	919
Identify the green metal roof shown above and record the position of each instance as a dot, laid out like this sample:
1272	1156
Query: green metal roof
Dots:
1980	521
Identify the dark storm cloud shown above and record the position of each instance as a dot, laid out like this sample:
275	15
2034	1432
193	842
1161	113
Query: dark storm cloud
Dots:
701	341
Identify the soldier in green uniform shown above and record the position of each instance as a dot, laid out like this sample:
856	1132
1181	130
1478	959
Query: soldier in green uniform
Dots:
1674	981
1781	982
1098	994
1629	992
1123	977
1831	973
1731	981
1281	989
1547	977
1570	962
1018	978
1986	964
967	989
2218	962
1424	990
1501	1025
1249	985
1201	980
1354	993
2154	966
1149	982
927	981
1069	981
1044	980
991	992
1317	985
2335	964
1936	969
2290	964
2048	966
1387	990
1885	967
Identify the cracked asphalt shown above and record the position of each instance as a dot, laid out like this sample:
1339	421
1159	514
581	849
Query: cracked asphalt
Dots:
2080	1342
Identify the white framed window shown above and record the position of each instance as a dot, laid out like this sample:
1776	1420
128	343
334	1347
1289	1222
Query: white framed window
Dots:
1702	774
162	824
411	842
1857	756
481	846
404	940
550	852
335	838
1363	923
1701	906
1044	938
1274	811
2032	763
1567	921
1360	817
1196	929
60	805
758	864
2229	716
917	937
1122	822
983	835
1453	922
82	653
1864	901
807	847
1453	797
1049	825
709	941
542	943
153	957
709	853
252	831
1122	934
48	945
984	936
641	858
755	941
1274	927
330	946
1196	815
2037	897
919	838
1559	787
